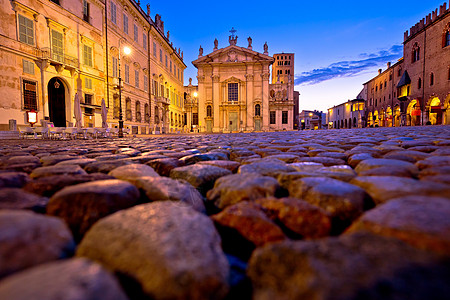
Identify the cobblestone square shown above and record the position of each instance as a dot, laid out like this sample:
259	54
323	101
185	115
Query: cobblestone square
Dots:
325	214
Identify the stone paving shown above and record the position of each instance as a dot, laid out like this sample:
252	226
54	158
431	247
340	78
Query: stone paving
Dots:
337	214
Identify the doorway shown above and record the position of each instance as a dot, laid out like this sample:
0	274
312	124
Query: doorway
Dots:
257	125
233	118
209	125
57	102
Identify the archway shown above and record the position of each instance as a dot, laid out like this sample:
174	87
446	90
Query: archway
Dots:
413	114
388	117
382	118
375	119
370	119
57	102
435	112
397	114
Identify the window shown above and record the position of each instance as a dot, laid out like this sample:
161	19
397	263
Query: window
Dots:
87	55
284	117
432	79
138	111
116	106
136	78
146	113
399	73
113	13
125	23
170	67
233	92
57	46
419	83
416	53
128	115
127	73
209	111
195	119
273	119
88	83
257	110
26	30
29	91
166	62
86	11
114	66
160	55
449	73
154	49
28	67
136	34
144	40
145	83
88	99
446	37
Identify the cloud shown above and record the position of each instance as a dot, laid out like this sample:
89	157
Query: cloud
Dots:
349	68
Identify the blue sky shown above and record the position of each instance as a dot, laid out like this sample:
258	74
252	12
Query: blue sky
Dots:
338	45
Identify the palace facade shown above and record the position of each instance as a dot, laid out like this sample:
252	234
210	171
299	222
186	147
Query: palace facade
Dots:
52	50
235	94
416	89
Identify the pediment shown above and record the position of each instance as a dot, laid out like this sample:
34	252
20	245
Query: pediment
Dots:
233	54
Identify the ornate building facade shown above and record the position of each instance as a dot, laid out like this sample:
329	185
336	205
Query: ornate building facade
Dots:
52	50
416	89
234	93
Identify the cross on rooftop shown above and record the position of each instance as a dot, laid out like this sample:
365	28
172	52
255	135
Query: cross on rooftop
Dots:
233	31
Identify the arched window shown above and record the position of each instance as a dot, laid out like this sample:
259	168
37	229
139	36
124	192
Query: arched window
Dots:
128	114
138	112
146	113
257	110
209	111
416	53
156	115
446	36
116	106
432	79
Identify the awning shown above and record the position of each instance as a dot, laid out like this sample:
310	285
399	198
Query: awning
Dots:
405	80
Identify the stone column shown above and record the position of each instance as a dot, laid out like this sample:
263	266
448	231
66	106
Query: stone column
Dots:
250	105
265	75
216	102
201	102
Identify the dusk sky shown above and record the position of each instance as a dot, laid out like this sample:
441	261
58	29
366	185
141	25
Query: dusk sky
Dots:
338	45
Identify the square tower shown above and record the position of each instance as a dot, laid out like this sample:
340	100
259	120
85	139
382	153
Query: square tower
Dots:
283	67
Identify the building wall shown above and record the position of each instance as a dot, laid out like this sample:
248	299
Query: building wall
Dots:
283	67
347	115
424	100
95	78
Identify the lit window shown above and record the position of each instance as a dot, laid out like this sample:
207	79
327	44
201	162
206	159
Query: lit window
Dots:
87	55
233	92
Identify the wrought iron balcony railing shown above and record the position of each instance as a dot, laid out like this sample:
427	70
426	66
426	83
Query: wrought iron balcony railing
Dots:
60	58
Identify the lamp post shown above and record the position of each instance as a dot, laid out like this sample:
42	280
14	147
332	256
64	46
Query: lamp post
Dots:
127	51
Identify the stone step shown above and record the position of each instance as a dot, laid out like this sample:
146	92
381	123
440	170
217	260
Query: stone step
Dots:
9	135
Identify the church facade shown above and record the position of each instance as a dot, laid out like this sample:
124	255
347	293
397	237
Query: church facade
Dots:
234	93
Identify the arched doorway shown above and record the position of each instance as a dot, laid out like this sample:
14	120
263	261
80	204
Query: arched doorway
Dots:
397	115
57	102
375	119
413	114
370	119
388	117
435	112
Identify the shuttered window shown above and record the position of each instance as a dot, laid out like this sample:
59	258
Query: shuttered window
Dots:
26	30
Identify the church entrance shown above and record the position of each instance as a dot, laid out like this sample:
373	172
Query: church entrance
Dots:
57	102
208	125
233	118
257	125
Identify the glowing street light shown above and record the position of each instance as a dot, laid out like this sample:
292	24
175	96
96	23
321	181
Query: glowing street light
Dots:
126	51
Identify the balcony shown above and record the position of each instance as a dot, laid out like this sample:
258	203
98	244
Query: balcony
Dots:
162	100
59	58
233	103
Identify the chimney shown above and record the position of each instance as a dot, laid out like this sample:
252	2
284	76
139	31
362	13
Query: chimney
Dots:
379	71
388	65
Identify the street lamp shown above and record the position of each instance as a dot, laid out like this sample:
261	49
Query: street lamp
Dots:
126	51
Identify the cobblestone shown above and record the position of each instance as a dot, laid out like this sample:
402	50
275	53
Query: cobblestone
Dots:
293	210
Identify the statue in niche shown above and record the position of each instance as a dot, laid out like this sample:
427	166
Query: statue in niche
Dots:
200	51
216	44
266	48
250	41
